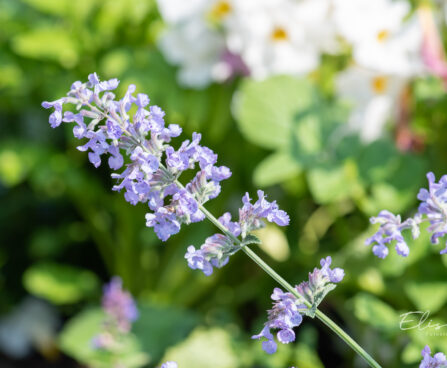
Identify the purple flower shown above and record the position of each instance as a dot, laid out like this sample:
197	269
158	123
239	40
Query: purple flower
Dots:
169	365
215	252
151	175
119	305
335	275
287	309
285	315
434	206
251	215
390	230
437	361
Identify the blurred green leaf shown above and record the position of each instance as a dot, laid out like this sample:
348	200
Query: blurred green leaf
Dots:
427	296
204	347
157	328
332	183
60	284
276	168
375	312
76	340
49	43
74	9
266	111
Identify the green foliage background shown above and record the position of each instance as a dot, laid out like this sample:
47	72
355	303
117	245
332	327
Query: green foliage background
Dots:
63	232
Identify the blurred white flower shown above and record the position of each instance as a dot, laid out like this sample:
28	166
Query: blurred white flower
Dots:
195	40
196	48
272	39
381	36
374	97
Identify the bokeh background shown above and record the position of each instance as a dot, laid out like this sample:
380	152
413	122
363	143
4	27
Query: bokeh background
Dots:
287	130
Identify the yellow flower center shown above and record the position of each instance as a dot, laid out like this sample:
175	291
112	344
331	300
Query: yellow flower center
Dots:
379	84
383	35
221	9
279	34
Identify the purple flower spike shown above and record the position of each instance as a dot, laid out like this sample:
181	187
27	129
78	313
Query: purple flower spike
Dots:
288	310
151	171
119	304
437	361
285	315
434	206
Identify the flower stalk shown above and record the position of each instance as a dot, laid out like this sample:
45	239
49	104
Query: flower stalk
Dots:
280	280
147	178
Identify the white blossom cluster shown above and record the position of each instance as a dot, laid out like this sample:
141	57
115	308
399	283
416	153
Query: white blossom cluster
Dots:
214	40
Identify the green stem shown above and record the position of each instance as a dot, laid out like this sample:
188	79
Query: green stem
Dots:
319	314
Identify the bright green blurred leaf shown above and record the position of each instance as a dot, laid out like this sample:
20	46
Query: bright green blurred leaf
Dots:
50	43
427	296
276	168
60	284
332	183
205	347
267	111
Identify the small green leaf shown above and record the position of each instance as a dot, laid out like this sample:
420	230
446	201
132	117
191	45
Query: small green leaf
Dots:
250	239
60	284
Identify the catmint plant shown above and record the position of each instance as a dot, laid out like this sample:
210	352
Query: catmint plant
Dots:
437	361
137	140
432	209
121	312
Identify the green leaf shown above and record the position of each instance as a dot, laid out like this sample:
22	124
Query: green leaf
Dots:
375	312
332	183
266	111
73	9
251	239
427	296
50	43
161	327
76	341
276	168
60	284
202	347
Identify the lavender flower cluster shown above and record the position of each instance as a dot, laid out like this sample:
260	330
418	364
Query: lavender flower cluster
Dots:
151	173
433	208
437	361
287	309
218	248
121	312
